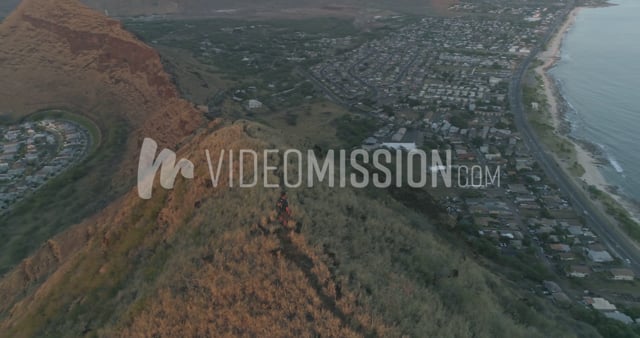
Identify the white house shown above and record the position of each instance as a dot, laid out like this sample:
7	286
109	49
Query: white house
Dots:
578	271
254	104
600	304
622	274
400	146
619	316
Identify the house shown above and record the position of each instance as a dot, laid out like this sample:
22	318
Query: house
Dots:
599	256
523	164
493	157
370	141
600	304
507	235
494	80
542	222
619	316
525	199
578	271
575	230
560	247
545	229
31	158
254	104
566	256
401	146
11	148
518	189
530	206
622	274
399	135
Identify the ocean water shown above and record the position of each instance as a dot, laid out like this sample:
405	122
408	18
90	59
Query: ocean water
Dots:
599	77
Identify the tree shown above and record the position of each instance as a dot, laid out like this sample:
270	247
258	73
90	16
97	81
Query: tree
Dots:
477	141
388	110
459	121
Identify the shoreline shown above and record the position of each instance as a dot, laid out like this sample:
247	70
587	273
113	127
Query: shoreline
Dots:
587	154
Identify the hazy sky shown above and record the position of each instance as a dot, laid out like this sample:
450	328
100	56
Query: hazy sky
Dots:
142	7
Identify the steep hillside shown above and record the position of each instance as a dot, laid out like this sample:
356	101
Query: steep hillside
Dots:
196	261
61	54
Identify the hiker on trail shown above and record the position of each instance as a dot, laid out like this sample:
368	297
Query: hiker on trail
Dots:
283	209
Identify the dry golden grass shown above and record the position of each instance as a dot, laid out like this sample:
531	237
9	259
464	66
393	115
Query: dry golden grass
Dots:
195	261
247	287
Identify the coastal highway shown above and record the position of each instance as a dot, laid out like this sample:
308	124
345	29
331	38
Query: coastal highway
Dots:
611	235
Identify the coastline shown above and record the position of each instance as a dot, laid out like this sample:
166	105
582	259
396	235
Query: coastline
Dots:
587	154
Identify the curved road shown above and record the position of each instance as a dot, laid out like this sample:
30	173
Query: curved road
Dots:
618	242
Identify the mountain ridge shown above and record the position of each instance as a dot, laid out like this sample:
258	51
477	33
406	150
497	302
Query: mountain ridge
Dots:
201	260
93	55
64	55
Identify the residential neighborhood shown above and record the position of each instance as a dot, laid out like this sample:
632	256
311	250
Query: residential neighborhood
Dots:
428	66
32	153
429	89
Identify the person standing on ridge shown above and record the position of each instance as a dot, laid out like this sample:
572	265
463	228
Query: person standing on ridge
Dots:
283	209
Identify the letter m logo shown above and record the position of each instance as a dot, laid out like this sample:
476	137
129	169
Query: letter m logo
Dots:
148	167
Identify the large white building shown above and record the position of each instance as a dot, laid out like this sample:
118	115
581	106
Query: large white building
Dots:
254	104
600	304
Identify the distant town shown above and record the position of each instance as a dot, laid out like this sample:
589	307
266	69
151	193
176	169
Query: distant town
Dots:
442	83
432	83
32	153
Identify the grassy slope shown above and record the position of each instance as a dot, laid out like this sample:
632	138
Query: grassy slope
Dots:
193	260
362	264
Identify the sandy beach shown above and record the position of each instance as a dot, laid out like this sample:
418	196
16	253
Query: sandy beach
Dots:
549	58
588	160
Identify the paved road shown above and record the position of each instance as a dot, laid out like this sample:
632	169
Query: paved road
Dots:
318	84
373	90
617	241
